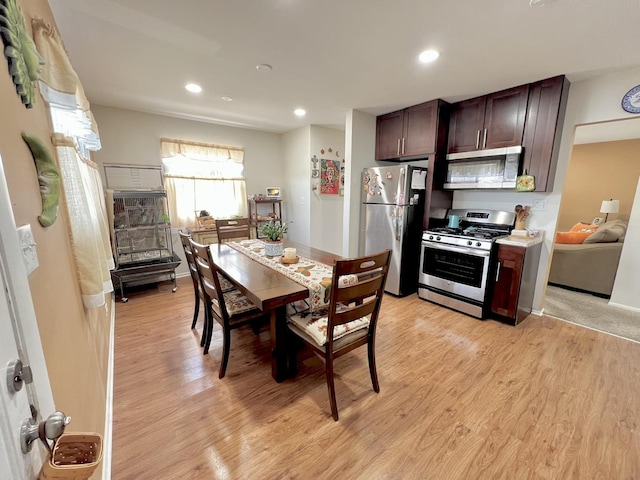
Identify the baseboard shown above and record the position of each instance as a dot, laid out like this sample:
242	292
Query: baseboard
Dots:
625	307
108	420
538	313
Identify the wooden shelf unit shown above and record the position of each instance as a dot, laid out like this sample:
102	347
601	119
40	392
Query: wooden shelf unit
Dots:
256	214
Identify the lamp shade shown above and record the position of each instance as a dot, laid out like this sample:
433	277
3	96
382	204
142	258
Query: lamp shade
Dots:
610	206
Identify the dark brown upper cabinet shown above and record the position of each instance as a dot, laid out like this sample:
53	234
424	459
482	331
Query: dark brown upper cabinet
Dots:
413	132
545	118
491	121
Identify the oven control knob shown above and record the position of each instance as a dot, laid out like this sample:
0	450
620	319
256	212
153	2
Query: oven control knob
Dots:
430	237
438	238
469	242
478	244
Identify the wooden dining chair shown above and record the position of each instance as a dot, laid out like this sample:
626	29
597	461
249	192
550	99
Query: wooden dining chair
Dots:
234	228
230	309
351	318
225	284
193	270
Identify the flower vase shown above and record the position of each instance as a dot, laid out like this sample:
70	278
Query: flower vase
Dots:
273	249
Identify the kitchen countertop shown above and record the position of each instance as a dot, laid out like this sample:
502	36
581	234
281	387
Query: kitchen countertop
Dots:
521	241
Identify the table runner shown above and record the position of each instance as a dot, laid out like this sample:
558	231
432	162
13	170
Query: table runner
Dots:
314	275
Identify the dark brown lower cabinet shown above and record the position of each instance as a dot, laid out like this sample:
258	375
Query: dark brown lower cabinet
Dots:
515	279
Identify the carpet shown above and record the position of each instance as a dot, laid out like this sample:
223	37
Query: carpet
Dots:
592	312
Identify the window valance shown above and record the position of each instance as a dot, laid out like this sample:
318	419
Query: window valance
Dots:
200	160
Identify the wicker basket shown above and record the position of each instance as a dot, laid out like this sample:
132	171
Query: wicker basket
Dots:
206	222
75	457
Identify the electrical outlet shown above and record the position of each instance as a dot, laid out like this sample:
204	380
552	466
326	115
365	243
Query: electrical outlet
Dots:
28	245
538	205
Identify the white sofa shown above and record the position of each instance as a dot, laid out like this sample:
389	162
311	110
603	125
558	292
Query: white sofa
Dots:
590	266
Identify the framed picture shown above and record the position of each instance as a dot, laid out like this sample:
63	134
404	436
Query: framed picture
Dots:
273	192
329	176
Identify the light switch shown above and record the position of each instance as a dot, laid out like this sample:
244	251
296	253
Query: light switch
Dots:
28	246
538	205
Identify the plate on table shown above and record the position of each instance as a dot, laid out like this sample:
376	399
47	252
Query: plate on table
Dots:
289	261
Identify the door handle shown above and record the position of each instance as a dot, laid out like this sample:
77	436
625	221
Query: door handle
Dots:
484	141
402	145
398	149
52	428
477	139
498	272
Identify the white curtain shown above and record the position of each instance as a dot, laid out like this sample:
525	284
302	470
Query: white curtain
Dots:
203	177
75	136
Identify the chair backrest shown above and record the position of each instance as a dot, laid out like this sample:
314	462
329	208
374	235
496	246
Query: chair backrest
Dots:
357	288
188	253
209	280
232	228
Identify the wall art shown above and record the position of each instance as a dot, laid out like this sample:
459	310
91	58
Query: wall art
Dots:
48	178
329	176
24	61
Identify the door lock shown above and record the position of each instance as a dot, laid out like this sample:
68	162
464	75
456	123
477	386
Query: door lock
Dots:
17	375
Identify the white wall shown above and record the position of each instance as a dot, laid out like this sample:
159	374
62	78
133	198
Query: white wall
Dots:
134	138
326	210
590	101
130	137
360	143
297	173
627	283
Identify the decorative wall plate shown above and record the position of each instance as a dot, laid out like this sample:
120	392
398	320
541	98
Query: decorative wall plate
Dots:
631	100
25	64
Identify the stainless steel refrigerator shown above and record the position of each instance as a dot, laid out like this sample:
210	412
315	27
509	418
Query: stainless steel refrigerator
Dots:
391	218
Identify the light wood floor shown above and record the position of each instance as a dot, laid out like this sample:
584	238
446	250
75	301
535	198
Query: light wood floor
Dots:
460	398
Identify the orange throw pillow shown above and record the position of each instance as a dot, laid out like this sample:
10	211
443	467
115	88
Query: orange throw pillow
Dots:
584	227
572	237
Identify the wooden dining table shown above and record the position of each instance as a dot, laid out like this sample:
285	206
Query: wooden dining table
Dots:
270	291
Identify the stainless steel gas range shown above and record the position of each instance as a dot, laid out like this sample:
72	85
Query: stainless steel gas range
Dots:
456	261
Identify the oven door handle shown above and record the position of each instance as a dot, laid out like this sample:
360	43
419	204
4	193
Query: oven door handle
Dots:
453	248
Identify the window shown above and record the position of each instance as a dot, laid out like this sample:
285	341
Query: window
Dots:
199	177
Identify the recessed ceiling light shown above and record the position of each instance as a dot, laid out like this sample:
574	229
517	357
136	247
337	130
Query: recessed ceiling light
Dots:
300	112
227	99
428	56
193	87
264	67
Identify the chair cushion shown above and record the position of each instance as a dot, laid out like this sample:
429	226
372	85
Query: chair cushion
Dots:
225	284
236	303
347	280
314	324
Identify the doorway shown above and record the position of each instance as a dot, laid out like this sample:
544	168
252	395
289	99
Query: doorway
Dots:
603	166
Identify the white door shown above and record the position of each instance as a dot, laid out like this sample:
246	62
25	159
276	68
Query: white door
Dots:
19	339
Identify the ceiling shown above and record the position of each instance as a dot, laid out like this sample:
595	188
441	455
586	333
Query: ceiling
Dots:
331	56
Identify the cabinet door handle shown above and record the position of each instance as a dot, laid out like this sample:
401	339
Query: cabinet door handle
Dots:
498	272
402	145
478	139
484	140
398	149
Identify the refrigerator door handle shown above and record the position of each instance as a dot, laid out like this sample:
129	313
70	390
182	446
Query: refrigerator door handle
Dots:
400	190
398	220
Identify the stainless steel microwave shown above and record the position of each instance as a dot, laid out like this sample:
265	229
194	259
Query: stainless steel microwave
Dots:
493	168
